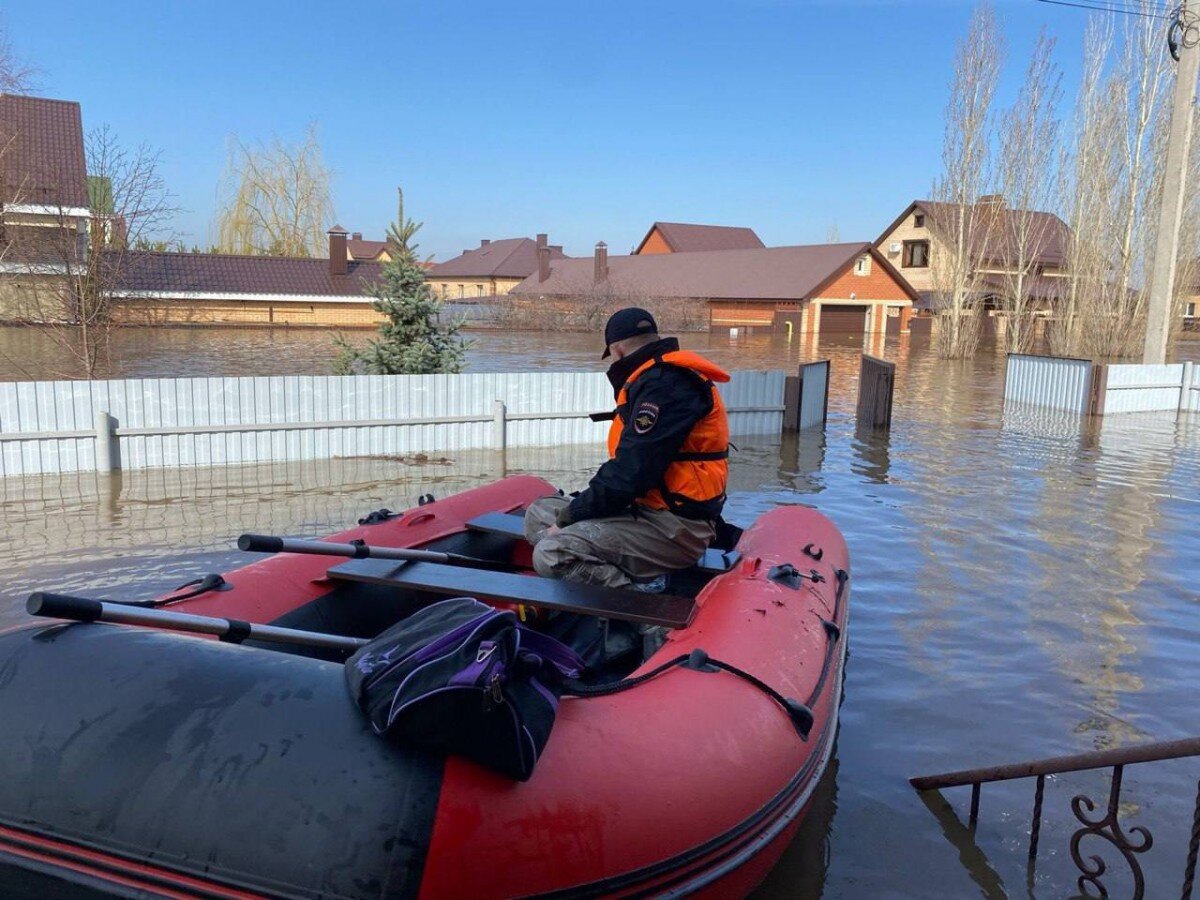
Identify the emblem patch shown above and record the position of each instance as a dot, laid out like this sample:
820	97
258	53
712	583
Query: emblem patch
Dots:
645	417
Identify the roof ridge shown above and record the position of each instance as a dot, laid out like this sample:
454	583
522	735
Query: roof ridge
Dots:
205	253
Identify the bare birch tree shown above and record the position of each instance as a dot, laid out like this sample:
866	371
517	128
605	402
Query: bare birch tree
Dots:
276	200
16	74
1115	172
76	267
1027	159
963	225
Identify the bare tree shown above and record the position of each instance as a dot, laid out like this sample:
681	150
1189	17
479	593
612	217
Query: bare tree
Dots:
1114	175
16	74
963	225
277	199
1027	159
75	268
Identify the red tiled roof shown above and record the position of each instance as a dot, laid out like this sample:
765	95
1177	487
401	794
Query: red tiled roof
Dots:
507	258
685	238
41	152
769	273
368	250
217	274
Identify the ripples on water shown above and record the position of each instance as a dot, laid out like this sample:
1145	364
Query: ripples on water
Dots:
1023	587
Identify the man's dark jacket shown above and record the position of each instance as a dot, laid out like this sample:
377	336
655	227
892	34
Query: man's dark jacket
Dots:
678	398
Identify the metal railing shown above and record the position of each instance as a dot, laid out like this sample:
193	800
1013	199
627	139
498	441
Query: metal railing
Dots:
1106	826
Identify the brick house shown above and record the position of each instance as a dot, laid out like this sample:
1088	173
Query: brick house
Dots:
44	206
912	244
678	237
804	290
220	289
358	250
491	269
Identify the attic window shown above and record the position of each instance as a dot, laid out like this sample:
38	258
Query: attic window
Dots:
862	265
919	220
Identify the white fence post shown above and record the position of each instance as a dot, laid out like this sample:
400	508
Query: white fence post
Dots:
500	426
1185	387
108	451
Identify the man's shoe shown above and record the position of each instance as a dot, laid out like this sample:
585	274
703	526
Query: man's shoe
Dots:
653	586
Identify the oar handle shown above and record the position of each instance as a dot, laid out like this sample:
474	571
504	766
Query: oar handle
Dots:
83	609
264	543
64	606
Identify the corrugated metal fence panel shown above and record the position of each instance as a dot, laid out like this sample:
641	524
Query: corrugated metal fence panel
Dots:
1143	388
1048	381
756	390
814	387
182	403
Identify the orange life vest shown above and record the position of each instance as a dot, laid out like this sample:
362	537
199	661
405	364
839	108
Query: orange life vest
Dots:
695	481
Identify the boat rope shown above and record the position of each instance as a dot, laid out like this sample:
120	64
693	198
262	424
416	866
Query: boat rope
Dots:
202	585
700	661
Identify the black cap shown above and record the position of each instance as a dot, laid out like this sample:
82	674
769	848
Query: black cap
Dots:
626	323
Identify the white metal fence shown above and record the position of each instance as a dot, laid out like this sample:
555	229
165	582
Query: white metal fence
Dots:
1150	388
1048	381
70	426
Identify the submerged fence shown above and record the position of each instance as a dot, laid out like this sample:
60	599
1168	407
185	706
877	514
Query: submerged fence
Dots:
1087	388
72	426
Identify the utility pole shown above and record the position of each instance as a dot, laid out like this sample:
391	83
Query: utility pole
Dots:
1184	40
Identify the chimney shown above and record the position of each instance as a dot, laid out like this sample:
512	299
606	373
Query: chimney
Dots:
601	273
357	236
337	250
484	242
996	200
543	258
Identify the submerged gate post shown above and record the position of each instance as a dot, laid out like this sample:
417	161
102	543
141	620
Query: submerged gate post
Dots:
500	426
1185	387
108	450
877	380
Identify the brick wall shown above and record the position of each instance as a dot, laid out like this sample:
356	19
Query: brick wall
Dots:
877	284
654	244
219	312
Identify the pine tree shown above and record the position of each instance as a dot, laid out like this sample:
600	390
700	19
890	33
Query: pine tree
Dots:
411	339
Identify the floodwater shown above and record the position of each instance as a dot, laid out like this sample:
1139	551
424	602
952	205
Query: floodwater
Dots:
1022	587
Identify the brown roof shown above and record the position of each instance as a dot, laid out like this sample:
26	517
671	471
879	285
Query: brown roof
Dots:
360	249
1051	232
218	274
769	273
684	238
41	152
507	258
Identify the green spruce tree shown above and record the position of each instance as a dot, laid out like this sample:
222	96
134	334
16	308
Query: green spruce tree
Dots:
411	339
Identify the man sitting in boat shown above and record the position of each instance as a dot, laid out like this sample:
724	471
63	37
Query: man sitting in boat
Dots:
655	504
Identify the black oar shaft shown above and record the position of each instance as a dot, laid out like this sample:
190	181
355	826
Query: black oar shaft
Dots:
264	543
84	609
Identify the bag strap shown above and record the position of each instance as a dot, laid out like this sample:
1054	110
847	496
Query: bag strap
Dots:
569	663
801	716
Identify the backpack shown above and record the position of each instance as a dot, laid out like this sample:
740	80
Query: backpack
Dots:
461	677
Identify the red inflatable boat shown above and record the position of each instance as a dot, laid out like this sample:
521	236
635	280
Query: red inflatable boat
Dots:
142	762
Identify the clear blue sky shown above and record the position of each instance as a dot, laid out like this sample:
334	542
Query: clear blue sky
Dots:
585	120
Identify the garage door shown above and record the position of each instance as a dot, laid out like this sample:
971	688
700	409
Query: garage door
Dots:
843	319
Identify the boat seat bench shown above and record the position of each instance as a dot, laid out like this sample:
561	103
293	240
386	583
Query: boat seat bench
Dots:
513	525
507	587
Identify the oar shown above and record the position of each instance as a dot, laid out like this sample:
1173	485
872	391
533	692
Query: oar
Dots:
263	543
83	609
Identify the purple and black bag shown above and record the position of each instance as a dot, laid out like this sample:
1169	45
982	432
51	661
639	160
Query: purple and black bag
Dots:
461	677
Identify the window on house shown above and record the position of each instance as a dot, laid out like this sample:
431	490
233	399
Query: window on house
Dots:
862	266
1190	310
462	291
919	220
479	290
916	254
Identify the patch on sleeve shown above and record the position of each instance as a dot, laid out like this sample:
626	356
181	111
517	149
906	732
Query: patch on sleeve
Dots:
645	417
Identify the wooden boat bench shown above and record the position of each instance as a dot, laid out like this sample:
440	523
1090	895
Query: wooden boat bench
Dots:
713	561
507	587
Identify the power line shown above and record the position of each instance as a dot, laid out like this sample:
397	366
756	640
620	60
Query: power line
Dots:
1110	7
